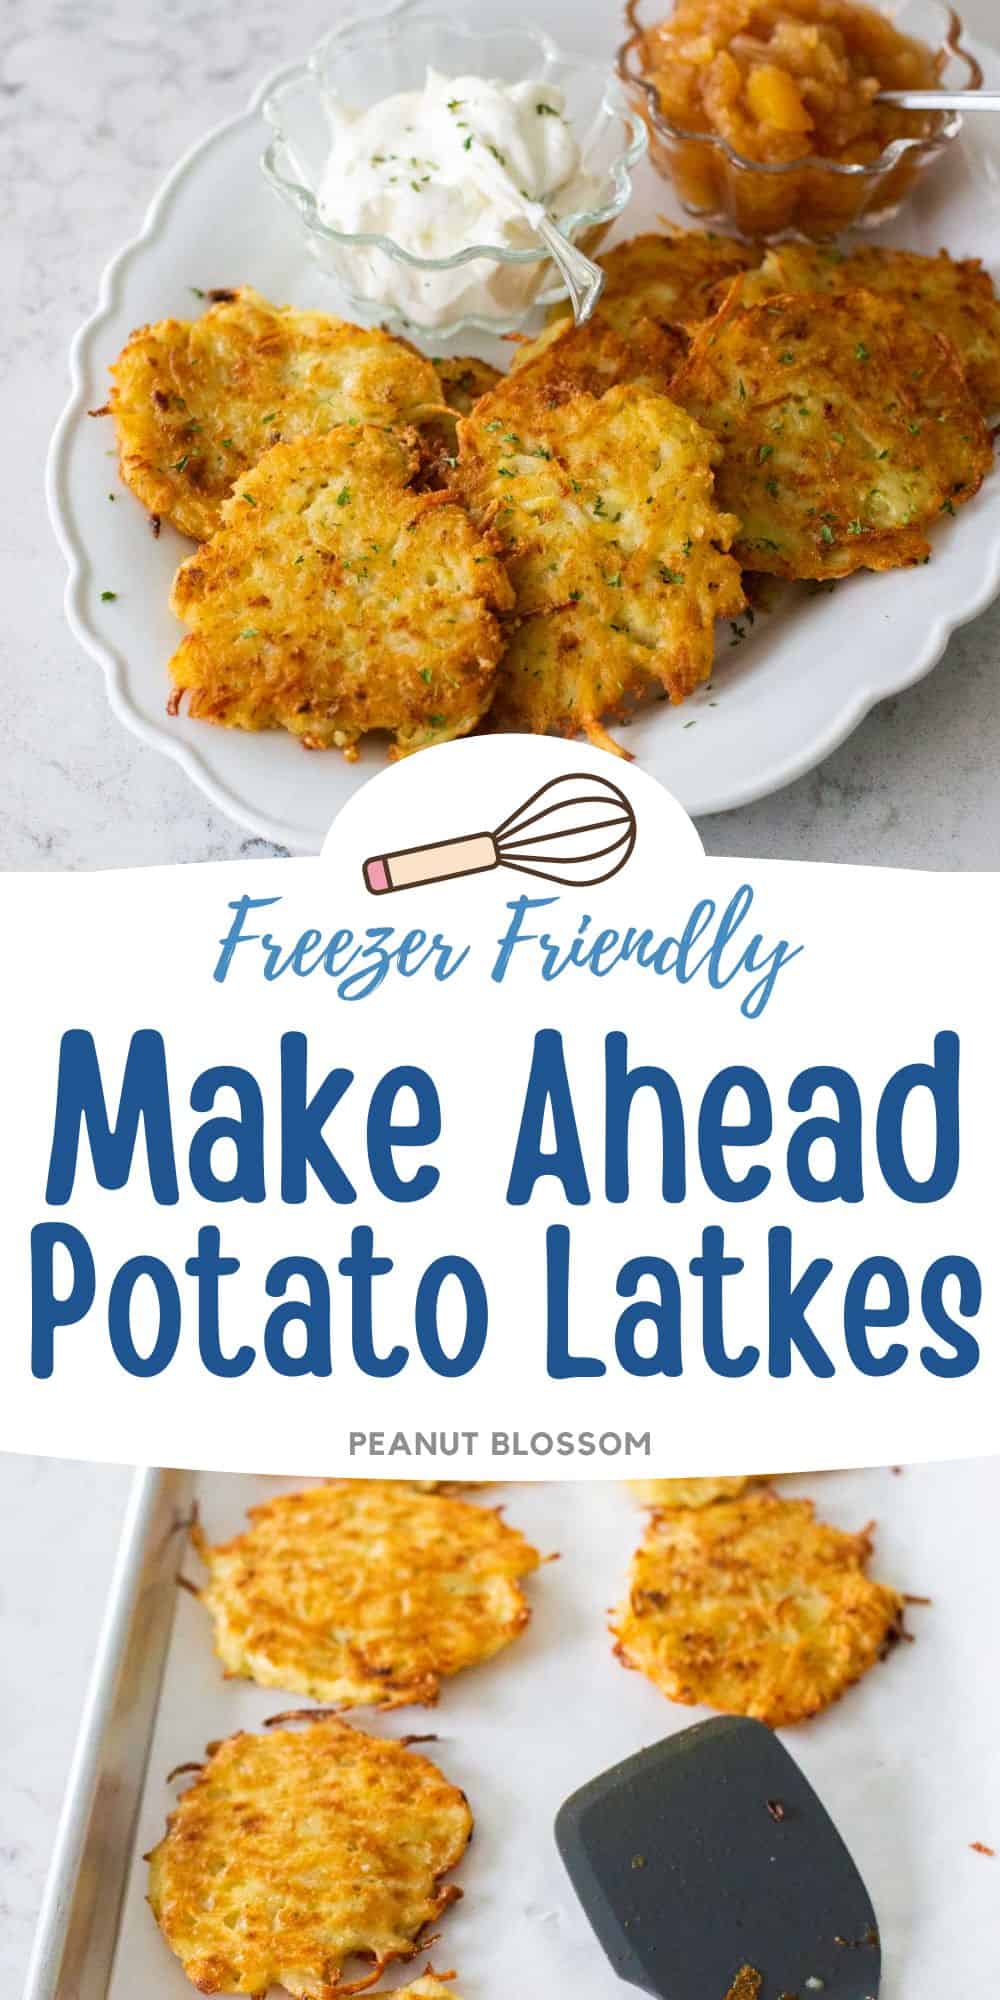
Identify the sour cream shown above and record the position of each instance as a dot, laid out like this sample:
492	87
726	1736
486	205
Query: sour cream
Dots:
438	170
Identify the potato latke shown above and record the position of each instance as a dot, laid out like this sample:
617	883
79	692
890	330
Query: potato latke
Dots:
334	600
604	510
754	1607
366	1591
689	1492
294	1853
428	1987
847	429
670	278
464	378
198	402
748	1985
953	296
566	361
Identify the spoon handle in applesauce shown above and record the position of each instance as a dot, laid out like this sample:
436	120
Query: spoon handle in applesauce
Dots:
941	100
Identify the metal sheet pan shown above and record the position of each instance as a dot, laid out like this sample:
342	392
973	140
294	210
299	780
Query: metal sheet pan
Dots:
909	1762
78	1925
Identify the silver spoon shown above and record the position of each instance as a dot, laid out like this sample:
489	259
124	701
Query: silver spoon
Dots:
584	280
941	100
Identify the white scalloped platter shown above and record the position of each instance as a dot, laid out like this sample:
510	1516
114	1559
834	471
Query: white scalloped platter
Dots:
784	695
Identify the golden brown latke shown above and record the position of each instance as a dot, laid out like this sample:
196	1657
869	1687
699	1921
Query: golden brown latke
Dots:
334	600
366	1591
458	1486
670	278
748	1985
690	1492
847	428
430	1986
603	508
754	1607
953	296
198	402
567	361
296	1852
464	378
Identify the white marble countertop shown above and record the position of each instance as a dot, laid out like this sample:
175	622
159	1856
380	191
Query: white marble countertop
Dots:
95	105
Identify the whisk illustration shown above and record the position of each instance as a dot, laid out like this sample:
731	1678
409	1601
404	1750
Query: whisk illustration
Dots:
576	830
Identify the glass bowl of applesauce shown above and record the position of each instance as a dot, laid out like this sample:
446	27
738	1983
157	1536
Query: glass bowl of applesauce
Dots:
763	113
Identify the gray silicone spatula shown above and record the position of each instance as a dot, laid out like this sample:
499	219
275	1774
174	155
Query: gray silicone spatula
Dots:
709	1853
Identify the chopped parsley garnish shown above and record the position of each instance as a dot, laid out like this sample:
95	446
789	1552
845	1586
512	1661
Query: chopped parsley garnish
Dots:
861	351
108	596
344	497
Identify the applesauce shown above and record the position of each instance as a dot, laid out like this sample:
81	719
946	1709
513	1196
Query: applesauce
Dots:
780	82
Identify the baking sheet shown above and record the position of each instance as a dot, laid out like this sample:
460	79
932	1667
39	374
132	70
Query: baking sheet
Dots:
908	1762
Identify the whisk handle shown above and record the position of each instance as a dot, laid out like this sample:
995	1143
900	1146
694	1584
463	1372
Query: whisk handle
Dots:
411	867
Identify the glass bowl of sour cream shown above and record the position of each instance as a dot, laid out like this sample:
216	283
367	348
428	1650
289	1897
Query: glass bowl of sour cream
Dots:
419	154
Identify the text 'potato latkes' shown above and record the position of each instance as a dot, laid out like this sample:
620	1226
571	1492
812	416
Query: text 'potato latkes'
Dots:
671	278
847	428
297	1852
334	600
953	296
197	402
366	1591
754	1607
690	1492
604	510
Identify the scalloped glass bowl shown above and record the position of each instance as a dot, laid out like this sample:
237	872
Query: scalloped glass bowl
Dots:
810	197
361	63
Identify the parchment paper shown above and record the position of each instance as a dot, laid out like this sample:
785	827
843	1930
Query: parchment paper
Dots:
908	1762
